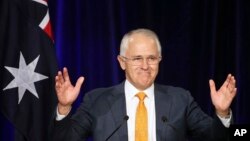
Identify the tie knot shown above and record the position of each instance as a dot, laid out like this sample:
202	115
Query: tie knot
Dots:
141	95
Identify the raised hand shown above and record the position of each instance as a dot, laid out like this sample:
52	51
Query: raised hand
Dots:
223	98
66	92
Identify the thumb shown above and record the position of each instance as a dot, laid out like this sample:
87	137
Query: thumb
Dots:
212	86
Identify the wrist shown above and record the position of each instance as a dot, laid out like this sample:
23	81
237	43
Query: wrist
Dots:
63	110
223	114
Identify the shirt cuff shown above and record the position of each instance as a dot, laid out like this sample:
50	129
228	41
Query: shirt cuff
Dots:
59	116
226	120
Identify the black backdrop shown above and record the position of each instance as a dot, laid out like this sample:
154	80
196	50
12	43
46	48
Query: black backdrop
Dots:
201	39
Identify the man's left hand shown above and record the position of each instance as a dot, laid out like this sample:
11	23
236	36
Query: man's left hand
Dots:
223	98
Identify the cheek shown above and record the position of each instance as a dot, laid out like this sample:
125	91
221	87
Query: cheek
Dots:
130	70
136	72
155	72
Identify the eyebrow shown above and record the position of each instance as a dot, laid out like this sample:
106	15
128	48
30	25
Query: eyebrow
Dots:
142	56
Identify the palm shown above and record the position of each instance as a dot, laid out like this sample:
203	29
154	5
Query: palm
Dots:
223	98
66	92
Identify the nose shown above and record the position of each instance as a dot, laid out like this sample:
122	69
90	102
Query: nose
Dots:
145	64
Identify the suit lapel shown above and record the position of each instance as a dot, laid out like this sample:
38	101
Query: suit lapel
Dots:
162	109
117	105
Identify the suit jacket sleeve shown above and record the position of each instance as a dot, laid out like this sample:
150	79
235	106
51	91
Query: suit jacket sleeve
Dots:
204	127
186	117
75	127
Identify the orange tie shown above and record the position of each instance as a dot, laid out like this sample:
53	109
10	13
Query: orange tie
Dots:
141	119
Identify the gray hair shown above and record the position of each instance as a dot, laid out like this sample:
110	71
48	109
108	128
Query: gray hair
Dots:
126	38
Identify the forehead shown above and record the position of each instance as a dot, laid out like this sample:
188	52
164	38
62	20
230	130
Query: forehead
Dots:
140	37
140	44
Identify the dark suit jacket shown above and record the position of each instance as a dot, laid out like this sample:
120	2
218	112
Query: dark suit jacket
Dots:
177	117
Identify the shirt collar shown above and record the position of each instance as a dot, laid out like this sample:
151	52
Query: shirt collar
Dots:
131	91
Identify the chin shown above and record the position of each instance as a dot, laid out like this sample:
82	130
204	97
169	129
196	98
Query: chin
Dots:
145	85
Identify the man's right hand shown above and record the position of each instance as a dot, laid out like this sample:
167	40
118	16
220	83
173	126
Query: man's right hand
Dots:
66	92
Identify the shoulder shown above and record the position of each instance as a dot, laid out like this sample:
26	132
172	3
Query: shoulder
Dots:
173	91
170	89
105	91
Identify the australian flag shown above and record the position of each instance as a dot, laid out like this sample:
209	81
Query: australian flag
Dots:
27	67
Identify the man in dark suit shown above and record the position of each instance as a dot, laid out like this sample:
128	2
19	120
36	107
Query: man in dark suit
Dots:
139	109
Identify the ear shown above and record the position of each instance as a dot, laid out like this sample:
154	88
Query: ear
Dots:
121	62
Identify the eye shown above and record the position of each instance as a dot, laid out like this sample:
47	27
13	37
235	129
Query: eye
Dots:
152	58
137	59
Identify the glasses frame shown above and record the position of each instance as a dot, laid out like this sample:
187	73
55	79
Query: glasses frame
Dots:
133	62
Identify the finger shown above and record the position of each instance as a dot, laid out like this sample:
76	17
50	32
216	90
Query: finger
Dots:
79	83
66	74
234	92
57	86
60	77
227	81
56	78
232	84
212	86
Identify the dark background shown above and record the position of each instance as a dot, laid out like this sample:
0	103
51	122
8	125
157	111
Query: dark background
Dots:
201	39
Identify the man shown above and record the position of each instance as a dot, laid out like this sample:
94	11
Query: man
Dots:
139	109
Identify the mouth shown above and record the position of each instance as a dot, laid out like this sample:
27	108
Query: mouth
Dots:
145	74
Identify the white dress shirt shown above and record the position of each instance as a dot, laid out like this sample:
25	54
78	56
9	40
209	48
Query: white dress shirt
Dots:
131	106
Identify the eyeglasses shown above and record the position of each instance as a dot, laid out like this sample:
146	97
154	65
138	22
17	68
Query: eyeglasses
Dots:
137	61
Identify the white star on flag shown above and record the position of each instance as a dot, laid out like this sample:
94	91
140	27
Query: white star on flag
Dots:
25	76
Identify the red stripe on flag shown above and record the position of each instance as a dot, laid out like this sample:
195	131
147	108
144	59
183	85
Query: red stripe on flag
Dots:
48	30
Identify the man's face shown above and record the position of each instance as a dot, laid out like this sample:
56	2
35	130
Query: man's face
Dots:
142	75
